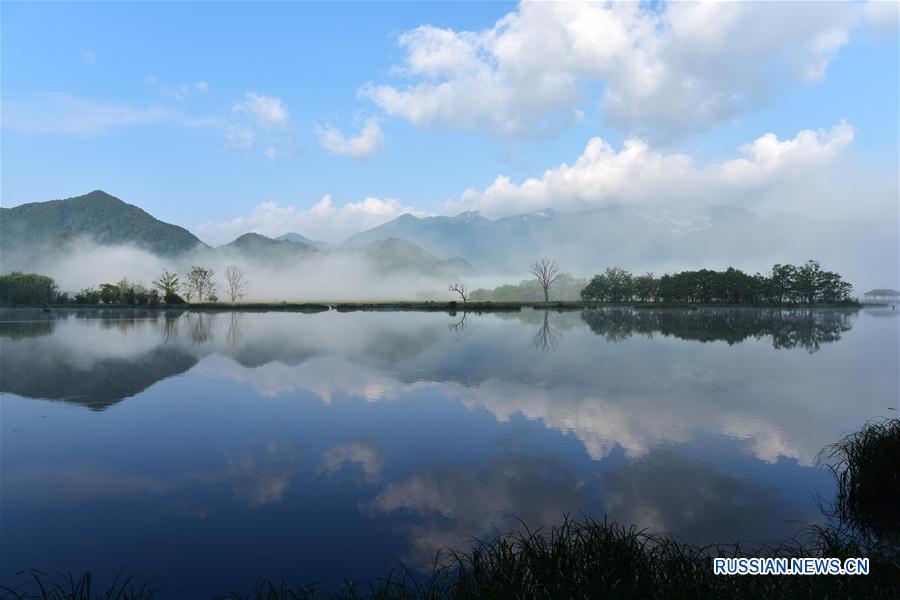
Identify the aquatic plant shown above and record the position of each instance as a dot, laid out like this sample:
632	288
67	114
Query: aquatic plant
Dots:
866	467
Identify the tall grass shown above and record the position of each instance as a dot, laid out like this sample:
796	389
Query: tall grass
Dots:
65	586
866	467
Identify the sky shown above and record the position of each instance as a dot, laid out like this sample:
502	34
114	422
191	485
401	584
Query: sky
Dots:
328	119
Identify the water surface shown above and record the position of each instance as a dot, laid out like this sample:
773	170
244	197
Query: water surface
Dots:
211	448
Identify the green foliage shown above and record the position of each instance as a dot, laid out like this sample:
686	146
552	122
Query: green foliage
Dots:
87	296
787	284
27	288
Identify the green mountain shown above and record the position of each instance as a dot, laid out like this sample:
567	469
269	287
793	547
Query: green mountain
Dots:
98	216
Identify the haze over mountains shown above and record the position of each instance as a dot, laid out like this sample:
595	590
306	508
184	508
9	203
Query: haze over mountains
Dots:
415	257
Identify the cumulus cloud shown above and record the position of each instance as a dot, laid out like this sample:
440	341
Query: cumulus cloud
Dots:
882	18
637	173
365	144
324	220
666	71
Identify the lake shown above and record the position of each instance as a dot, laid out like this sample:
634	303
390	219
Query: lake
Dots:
211	448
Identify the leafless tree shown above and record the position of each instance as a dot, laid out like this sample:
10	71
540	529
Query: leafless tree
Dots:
546	271
237	282
459	288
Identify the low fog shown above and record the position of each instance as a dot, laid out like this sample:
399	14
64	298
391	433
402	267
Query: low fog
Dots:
327	277
863	250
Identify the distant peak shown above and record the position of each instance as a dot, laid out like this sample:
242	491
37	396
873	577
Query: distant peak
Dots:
468	215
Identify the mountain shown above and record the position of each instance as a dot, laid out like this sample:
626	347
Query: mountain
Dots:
652	237
393	255
296	237
467	235
97	216
259	247
36	236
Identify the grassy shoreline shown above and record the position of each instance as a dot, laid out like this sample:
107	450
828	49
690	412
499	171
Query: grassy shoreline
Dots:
434	306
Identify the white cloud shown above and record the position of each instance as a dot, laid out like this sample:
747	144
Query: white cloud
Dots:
64	113
267	112
883	18
322	221
667	71
181	91
768	168
259	118
365	144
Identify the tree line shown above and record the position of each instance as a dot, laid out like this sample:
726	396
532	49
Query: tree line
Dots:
784	285
170	288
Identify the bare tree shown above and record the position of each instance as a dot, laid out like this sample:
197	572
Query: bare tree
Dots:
187	291
547	271
200	281
459	288
237	282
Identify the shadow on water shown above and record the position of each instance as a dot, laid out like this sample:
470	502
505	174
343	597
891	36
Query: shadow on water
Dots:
807	329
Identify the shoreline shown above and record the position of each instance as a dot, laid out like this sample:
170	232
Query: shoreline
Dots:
432	306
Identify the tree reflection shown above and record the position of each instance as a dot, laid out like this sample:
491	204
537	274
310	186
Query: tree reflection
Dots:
807	329
199	327
233	335
460	324
547	337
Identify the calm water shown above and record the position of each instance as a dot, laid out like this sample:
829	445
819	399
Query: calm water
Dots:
210	449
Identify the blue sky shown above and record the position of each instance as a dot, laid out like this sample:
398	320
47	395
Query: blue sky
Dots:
157	104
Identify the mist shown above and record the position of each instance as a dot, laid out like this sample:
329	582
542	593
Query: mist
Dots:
326	277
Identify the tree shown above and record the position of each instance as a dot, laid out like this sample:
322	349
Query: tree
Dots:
546	271
459	288
27	288
109	293
169	284
237	282
200	282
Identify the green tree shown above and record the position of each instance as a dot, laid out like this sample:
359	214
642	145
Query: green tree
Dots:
200	282
27	288
169	284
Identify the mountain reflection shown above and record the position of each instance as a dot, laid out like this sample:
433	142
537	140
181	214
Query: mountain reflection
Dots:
413	434
628	387
807	329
